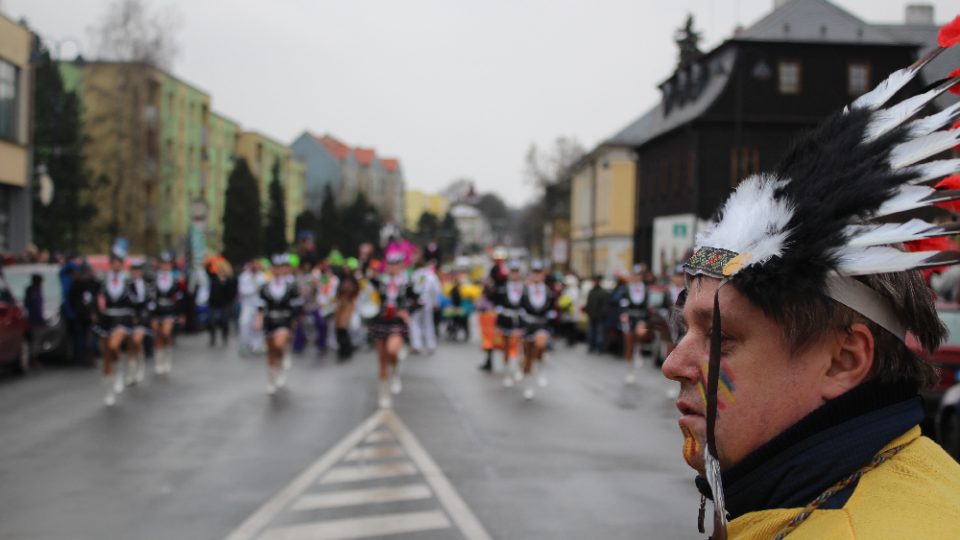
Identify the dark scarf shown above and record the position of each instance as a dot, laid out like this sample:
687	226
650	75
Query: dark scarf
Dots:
823	447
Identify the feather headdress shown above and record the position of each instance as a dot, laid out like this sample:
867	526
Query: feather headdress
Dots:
812	224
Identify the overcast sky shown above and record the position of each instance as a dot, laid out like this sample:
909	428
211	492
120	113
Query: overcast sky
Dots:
454	88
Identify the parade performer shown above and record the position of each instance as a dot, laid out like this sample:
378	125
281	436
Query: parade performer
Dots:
538	309
634	321
486	308
798	390
508	299
115	323
166	303
249	283
141	298
327	285
423	332
280	303
390	327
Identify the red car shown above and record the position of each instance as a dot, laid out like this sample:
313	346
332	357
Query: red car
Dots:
942	402
14	341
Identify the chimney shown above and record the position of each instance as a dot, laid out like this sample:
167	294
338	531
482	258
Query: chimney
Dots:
919	14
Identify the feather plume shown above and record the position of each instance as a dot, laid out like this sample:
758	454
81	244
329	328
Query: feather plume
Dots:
931	170
929	124
913	197
896	233
892	84
881	260
884	120
921	148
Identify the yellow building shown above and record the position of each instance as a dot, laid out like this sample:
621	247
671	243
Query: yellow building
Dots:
602	211
15	92
261	153
222	140
418	202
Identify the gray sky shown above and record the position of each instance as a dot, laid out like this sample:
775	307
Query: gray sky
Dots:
454	88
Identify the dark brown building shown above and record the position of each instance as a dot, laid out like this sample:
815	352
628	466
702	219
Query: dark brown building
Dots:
735	111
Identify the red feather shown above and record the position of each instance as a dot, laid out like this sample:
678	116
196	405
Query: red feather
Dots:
955	89
950	182
950	33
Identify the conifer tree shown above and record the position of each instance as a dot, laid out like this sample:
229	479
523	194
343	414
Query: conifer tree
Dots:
242	233
275	235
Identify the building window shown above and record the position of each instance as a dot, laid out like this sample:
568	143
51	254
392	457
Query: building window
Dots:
744	161
789	77
9	76
858	78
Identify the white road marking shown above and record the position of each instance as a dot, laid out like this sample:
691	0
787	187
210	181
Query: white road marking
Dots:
368	472
372	453
343	529
336	499
374	429
380	436
275	505
451	501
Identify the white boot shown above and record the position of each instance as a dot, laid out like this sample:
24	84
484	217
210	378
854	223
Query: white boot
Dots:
141	373
517	371
168	361
631	377
541	376
271	380
385	401
128	374
286	360
109	398
395	385
281	378
529	392
158	355
508	369
118	378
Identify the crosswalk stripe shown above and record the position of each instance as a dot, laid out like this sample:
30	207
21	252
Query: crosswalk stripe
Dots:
368	472
337	499
365	527
371	453
380	436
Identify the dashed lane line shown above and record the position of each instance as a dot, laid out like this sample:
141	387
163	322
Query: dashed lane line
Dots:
373	453
360	473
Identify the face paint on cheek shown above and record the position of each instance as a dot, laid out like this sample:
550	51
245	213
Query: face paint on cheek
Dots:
691	446
726	389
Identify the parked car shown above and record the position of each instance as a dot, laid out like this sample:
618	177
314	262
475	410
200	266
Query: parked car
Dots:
52	341
942	402
14	340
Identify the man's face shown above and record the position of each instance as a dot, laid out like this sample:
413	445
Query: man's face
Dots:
763	388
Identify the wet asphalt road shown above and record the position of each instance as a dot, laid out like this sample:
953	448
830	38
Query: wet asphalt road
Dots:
195	454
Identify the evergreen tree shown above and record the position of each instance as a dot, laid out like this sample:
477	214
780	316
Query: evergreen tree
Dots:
428	227
329	229
306	221
58	146
361	223
688	43
449	237
275	235
242	233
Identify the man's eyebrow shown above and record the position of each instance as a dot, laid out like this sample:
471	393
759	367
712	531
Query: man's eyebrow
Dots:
701	316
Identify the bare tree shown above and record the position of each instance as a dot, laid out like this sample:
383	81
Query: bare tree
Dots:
544	168
131	31
133	41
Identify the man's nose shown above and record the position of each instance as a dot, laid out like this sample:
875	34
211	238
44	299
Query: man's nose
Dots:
681	364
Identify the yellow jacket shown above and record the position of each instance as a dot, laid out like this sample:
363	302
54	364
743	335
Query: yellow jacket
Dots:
913	495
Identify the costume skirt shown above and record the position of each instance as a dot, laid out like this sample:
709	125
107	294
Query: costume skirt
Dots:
381	328
106	325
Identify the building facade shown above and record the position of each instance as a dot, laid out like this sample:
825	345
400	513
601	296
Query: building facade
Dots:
16	43
415	203
602	211
394	188
223	138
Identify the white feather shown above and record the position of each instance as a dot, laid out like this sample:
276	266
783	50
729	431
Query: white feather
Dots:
879	260
929	124
906	198
883	120
889	233
753	221
921	148
886	89
933	169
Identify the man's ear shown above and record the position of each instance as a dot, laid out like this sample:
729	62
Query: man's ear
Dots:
851	360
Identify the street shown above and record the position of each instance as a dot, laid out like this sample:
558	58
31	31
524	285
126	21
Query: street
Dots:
204	453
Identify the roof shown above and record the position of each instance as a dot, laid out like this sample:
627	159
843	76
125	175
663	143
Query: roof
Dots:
365	156
925	36
815	20
338	149
390	164
656	122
